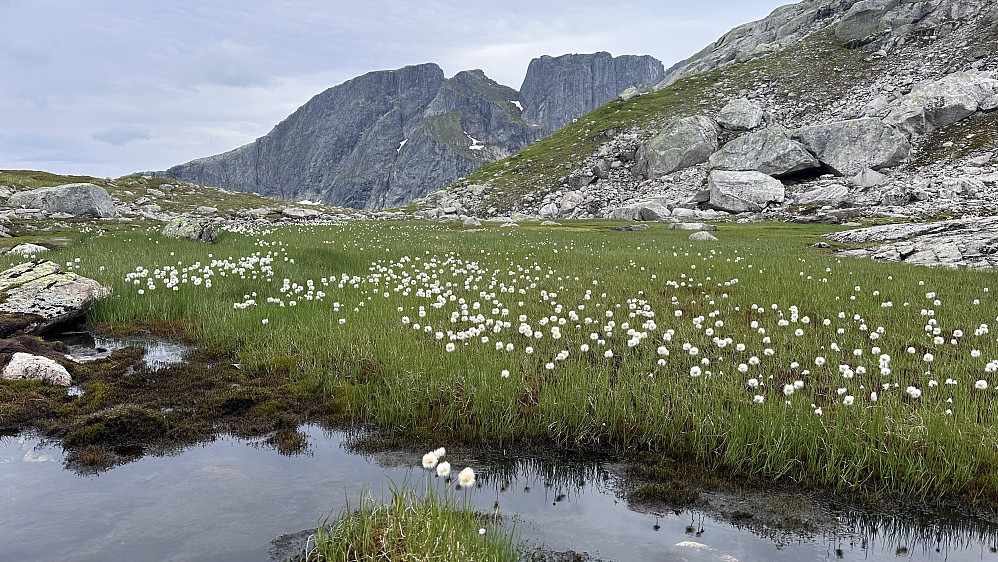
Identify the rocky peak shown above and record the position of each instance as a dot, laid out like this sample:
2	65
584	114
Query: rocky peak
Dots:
559	89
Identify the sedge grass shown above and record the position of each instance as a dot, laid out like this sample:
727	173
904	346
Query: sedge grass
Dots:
432	524
352	342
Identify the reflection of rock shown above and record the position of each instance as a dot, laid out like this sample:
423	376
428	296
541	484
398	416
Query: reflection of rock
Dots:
24	366
41	290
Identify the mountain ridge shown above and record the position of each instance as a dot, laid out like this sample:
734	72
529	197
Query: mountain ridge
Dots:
387	137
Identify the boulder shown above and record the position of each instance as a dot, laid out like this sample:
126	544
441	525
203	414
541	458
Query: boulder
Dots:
703	236
631	227
936	104
300	213
683	143
27	249
191	229
550	223
25	366
77	199
848	147
549	211
832	194
741	192
41	291
651	210
205	210
770	151
570	202
471	222
869	178
692	226
740	115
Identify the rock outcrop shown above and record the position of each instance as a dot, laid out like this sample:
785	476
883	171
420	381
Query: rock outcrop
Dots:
44	295
954	243
556	90
77	199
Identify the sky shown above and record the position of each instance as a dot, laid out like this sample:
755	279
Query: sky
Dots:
111	87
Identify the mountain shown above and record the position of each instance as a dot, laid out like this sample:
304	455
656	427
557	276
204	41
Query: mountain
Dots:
822	111
559	89
385	138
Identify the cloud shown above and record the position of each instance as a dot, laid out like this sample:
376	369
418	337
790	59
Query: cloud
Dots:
119	136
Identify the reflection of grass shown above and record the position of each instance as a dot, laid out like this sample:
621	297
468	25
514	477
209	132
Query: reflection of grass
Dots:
431	525
352	345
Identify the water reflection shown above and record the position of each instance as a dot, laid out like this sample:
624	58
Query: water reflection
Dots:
225	500
160	353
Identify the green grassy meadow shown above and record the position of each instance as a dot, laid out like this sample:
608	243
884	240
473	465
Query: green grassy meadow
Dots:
757	354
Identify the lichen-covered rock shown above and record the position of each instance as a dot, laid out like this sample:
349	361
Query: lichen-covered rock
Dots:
24	366
848	147
77	199
682	143
740	115
191	229
41	290
770	151
741	192
936	104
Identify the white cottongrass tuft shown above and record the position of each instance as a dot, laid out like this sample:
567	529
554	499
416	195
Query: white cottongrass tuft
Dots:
466	478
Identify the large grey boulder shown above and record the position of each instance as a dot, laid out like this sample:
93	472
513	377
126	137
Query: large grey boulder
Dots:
78	199
191	229
25	366
703	236
300	213
741	192
650	210
848	147
40	291
770	151
831	194
740	115
684	142
936	104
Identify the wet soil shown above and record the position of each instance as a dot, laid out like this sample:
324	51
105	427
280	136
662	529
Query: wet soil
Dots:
127	409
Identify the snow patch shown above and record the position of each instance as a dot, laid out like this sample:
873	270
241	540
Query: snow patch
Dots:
475	143
517	104
401	144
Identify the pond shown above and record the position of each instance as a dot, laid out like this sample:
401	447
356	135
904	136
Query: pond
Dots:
227	499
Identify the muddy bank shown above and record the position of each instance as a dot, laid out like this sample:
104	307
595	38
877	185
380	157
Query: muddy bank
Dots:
123	407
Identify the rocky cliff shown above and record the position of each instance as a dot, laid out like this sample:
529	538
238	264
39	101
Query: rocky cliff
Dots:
559	89
385	138
823	111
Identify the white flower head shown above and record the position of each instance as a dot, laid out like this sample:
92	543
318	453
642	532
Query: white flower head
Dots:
466	478
443	469
429	460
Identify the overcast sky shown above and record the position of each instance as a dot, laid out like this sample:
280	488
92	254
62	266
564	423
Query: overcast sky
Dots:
110	87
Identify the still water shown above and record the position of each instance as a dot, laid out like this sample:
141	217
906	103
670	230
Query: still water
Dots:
225	501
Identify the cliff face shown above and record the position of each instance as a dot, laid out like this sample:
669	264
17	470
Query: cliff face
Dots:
385	138
559	89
